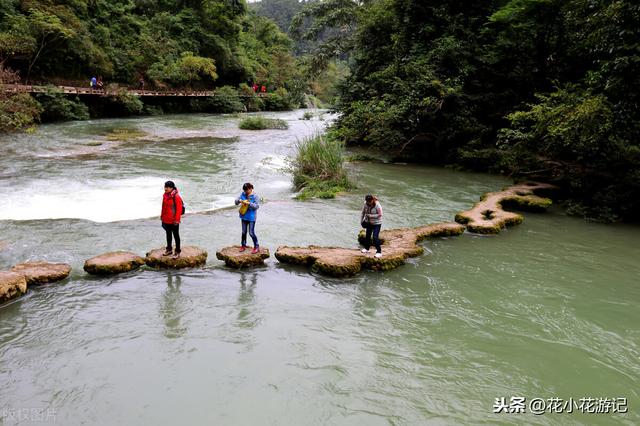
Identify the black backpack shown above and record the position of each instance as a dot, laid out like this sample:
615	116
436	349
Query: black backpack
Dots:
184	207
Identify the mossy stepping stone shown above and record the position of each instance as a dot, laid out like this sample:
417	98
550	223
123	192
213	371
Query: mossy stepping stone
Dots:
235	259
191	257
113	263
12	284
488	216
37	273
397	246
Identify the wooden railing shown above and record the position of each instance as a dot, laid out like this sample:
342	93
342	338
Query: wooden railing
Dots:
26	88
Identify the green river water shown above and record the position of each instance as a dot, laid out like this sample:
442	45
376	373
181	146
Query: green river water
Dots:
545	309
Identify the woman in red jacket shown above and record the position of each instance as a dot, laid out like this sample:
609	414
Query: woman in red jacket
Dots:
170	216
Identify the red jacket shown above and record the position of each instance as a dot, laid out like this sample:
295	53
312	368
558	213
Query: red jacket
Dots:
171	208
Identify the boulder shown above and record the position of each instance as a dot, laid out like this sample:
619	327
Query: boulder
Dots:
488	216
12	284
191	257
397	246
37	273
113	263
235	259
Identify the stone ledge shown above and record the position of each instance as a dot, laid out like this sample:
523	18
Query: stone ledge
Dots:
191	257
233	258
37	273
113	263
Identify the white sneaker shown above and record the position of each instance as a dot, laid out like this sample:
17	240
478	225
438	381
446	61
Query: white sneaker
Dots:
364	251
378	255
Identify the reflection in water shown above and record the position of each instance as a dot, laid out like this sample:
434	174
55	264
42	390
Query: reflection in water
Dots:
173	307
246	301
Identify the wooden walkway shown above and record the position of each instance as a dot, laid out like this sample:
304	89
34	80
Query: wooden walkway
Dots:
24	88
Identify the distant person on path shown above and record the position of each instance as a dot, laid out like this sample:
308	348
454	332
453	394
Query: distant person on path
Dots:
93	83
371	220
170	217
141	84
263	89
255	88
100	83
248	209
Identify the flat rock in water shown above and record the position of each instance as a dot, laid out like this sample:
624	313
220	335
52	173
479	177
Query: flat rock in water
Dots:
488	216
190	257
397	246
37	273
113	263
12	284
235	259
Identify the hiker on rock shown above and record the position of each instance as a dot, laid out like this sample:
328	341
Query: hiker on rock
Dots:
371	220
172	210
249	205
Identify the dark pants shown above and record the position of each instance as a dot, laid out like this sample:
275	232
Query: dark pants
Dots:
375	230
175	230
252	231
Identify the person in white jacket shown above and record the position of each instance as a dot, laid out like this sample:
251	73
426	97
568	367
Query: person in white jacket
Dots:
371	220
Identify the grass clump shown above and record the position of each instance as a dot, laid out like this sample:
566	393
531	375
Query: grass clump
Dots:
308	115
124	134
261	123
318	168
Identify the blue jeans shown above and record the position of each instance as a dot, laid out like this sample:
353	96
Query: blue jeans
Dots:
252	231
375	230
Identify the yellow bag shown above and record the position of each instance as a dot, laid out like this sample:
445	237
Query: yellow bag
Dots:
244	207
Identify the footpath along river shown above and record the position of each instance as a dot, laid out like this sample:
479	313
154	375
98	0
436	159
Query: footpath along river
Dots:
545	309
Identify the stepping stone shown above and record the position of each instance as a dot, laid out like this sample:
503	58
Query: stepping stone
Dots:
233	258
12	284
113	263
37	273
397	246
488	216
191	257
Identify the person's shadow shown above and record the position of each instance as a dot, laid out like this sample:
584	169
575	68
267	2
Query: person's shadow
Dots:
172	308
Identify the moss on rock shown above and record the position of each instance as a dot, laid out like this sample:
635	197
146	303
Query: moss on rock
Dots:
190	257
488	215
37	273
397	246
12	284
233	258
113	263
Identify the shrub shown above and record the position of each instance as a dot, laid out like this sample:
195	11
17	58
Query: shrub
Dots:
261	123
130	103
56	106
18	111
318	168
251	101
278	101
226	100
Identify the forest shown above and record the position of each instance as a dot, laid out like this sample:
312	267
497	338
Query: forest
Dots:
536	89
209	44
541	89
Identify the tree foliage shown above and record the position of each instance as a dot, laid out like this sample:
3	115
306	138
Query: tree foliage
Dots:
537	88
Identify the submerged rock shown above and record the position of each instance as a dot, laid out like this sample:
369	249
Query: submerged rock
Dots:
113	263
12	284
191	257
397	246
37	273
235	259
488	215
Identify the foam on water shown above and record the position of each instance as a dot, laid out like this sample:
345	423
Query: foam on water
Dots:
95	200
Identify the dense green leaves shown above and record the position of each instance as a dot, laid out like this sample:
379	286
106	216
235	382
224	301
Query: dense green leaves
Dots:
538	88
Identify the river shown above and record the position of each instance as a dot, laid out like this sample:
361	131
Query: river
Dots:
547	309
